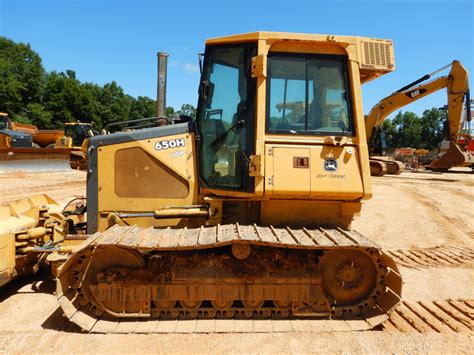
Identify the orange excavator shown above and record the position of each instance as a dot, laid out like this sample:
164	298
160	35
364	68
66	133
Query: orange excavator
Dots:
457	85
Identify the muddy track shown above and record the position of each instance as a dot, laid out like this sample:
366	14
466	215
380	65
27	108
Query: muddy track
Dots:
438	316
447	256
435	316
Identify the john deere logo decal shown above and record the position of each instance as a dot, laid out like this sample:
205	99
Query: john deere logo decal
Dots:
330	165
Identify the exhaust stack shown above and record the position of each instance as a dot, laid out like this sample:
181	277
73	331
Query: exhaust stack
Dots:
161	86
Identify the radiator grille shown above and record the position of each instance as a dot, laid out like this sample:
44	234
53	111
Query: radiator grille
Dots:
377	54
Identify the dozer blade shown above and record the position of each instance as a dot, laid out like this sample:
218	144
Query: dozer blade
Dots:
78	160
454	157
227	278
34	159
19	220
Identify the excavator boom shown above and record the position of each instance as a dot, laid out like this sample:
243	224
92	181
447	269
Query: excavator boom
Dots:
456	83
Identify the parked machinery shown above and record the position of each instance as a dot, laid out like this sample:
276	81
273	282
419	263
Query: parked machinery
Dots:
76	138
457	86
57	146
20	148
11	138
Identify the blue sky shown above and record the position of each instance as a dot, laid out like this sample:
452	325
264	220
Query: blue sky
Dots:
107	40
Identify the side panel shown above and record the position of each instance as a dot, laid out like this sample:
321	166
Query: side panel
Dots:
291	171
322	171
141	171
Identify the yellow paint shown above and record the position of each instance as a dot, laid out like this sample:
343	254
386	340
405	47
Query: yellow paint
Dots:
180	160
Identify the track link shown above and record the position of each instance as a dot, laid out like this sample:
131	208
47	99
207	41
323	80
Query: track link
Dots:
439	316
433	316
442	256
129	276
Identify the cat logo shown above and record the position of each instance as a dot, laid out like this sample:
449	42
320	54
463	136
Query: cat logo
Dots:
330	165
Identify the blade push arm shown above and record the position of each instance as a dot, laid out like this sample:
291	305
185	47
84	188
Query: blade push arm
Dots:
456	82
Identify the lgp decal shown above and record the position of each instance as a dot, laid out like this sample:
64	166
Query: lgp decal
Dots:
177	154
172	143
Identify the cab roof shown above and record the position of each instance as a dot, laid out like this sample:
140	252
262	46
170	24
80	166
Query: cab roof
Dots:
375	56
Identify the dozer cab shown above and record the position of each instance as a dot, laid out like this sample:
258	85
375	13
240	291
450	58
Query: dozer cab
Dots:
76	138
245	212
74	135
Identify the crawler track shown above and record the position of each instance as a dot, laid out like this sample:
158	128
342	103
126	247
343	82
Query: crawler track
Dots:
448	256
227	278
435	316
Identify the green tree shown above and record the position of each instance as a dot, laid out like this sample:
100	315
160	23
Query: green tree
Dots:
187	109
408	130
390	134
142	107
21	77
432	128
31	95
67	99
169	111
38	115
114	106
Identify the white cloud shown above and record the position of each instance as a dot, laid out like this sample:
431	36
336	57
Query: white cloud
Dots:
191	68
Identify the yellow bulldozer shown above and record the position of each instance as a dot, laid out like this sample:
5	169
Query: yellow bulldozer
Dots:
25	147
76	138
243	213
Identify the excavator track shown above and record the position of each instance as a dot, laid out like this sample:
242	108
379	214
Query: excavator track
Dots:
227	278
380	167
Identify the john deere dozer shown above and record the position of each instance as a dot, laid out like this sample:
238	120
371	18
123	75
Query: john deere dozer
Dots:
243	213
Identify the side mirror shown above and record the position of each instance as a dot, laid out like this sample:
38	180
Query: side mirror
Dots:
200	59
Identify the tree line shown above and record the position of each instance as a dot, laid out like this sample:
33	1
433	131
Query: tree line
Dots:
30	94
407	129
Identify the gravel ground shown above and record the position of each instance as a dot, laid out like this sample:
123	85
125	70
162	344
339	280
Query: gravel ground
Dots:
407	211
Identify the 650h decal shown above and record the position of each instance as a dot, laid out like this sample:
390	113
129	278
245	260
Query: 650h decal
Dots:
171	143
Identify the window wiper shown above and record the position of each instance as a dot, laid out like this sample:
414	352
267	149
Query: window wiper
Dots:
221	138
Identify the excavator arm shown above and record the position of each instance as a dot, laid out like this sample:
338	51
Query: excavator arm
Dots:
457	86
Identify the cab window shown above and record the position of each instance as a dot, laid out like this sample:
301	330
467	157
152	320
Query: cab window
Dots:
308	95
225	117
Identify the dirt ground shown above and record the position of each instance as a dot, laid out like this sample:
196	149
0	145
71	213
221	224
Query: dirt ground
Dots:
410	212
